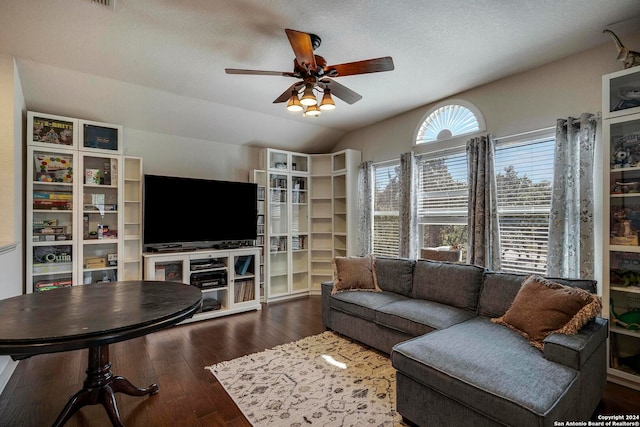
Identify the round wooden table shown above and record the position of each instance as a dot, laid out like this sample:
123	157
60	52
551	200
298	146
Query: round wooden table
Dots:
93	316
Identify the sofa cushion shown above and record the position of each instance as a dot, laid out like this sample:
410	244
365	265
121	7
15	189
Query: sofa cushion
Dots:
499	290
416	316
490	368
454	284
542	307
355	274
395	274
363	304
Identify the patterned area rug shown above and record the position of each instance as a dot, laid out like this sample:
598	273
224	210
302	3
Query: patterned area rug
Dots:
321	380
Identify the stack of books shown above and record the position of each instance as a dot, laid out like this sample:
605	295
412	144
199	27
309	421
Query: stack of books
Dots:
52	200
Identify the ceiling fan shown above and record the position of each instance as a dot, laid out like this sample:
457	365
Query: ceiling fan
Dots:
314	74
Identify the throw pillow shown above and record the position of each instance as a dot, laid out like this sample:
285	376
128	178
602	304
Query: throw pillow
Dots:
542	307
354	274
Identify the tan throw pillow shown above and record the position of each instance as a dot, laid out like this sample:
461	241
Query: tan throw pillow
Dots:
354	274
543	307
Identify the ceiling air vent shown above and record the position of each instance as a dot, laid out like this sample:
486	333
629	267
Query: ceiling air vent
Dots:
111	4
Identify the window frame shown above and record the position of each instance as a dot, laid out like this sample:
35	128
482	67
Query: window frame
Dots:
442	143
439	220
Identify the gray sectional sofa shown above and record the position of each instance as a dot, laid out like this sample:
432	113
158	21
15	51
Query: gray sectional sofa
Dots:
457	367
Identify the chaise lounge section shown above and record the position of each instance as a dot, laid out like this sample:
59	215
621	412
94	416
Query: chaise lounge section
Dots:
455	365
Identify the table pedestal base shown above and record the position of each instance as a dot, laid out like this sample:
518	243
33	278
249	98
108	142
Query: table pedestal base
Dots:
100	386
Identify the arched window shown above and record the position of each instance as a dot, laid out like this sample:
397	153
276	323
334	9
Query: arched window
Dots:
449	120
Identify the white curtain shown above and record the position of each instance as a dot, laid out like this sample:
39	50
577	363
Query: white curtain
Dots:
483	235
407	209
365	201
571	229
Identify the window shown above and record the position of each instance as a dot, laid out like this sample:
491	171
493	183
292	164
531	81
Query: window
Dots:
442	200
524	175
386	205
448	120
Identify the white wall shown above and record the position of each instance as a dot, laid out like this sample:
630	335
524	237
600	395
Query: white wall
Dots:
178	156
525	102
12	108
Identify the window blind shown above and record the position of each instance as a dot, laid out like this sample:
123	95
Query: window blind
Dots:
386	205
524	177
443	189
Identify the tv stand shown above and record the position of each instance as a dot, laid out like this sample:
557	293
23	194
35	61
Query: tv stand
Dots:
228	278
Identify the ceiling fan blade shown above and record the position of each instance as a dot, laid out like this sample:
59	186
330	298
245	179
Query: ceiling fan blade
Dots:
303	48
362	67
343	92
287	93
259	72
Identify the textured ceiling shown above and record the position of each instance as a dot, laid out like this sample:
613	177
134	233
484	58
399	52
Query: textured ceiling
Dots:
158	65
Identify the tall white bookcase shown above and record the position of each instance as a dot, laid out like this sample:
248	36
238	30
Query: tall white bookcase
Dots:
311	216
75	226
259	177
286	237
334	211
132	252
620	276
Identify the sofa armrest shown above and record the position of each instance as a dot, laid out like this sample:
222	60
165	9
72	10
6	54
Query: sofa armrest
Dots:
575	350
326	288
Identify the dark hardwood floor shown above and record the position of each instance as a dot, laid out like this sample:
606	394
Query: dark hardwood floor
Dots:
175	359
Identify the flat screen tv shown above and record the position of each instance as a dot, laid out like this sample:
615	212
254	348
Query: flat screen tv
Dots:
190	210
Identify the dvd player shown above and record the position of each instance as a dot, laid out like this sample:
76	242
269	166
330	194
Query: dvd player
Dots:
209	279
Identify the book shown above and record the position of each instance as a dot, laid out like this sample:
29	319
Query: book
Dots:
45	285
242	264
52	205
52	195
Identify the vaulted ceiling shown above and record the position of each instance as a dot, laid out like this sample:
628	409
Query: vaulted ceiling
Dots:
158	65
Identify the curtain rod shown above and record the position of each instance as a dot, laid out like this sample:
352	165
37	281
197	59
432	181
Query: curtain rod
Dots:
594	118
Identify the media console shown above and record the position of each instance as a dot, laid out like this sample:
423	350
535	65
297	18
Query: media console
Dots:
228	278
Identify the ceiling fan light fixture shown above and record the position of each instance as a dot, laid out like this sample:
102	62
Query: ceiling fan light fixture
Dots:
308	97
312	72
294	103
312	110
327	102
